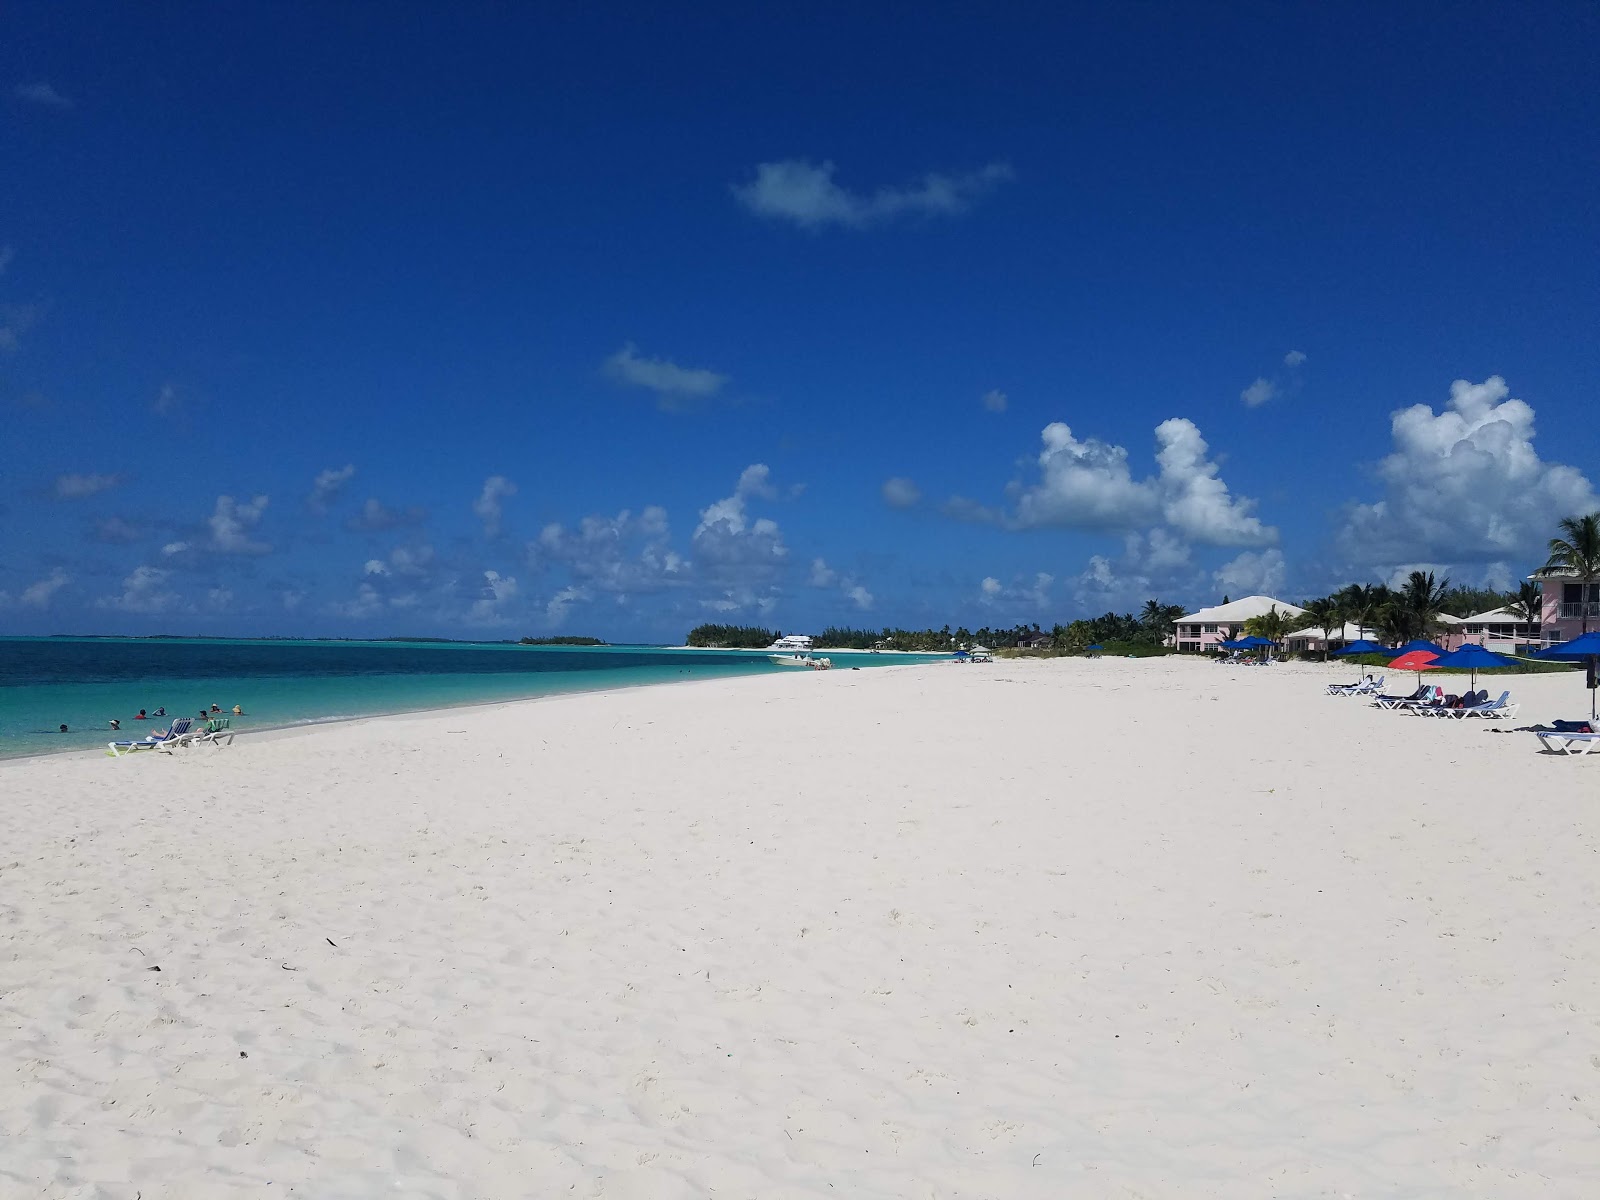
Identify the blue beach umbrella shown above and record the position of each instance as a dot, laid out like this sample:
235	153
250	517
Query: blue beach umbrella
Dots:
1252	642
1424	645
1474	657
1584	648
1366	647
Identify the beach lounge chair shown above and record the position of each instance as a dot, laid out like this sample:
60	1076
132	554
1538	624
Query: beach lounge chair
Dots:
177	735
1365	686
1568	742
1432	697
218	732
1421	693
1478	705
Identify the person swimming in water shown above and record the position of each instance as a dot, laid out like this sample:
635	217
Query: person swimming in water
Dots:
63	729
162	711
116	724
237	711
141	716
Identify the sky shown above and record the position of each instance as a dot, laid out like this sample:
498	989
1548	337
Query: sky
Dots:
489	321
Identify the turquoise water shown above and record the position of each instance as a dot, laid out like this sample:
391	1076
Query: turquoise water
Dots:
84	682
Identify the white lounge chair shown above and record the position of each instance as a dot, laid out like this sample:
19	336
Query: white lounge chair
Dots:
1387	702
177	735
1495	710
1362	687
1568	743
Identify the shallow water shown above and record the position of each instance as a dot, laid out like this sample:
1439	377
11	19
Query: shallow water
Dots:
84	682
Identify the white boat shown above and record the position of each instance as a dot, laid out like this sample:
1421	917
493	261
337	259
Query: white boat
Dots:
795	651
794	643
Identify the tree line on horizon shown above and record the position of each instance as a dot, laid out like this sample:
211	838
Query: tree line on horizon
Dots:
1394	615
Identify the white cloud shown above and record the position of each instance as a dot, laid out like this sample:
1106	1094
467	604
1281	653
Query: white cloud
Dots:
804	192
496	489
730	545
144	591
327	486
1088	484
1251	574
172	548
75	487
231	523
620	555
38	595
555	611
498	591
995	400
375	517
368	602
673	385
219	599
115	531
41	94
412	561
1036	594
859	596
822	575
166	402
1258	393
375	566
1465	486
900	492
1294	358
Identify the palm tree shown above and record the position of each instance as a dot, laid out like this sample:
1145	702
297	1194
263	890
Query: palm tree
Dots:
1423	600
1325	614
1271	625
1362	603
1576	555
1526	604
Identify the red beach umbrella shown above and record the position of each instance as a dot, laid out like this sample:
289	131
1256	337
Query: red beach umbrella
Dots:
1415	660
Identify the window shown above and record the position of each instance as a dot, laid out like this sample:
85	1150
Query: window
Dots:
1209	629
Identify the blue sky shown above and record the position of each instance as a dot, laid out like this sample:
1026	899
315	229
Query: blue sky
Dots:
491	321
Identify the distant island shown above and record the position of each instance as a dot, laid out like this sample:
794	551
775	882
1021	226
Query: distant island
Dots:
561	641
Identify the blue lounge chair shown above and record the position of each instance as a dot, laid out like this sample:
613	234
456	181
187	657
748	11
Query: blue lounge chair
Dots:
166	739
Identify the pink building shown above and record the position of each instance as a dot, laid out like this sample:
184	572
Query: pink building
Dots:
1200	632
1497	630
1568	604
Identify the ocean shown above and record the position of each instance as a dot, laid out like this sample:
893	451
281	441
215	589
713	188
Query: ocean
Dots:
84	682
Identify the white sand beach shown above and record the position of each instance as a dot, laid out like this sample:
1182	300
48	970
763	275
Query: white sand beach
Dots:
1026	929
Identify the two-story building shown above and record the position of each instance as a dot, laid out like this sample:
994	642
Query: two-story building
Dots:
1200	632
1568	605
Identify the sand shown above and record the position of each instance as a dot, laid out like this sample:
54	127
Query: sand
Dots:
1026	929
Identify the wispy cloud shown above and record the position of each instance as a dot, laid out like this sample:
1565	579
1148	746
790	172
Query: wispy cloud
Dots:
672	384
75	487
1294	358
1258	393
325	488
995	400
900	492
41	94
167	401
804	192
376	517
231	523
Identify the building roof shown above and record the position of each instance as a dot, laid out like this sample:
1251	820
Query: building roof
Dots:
1346	633
1497	616
1237	611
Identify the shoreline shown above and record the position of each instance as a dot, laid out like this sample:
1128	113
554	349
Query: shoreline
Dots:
310	725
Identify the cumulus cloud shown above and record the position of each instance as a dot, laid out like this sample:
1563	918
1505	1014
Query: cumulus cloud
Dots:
1465	486
859	596
75	487
1252	573
488	505
1088	484
232	522
375	566
729	542
995	400
328	485
368	602
556	608
822	575
144	591
1033	594
674	386
1294	358
41	94
498	591
805	193
1259	392
900	492
376	517
622	555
